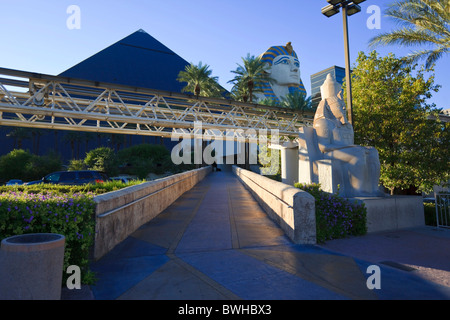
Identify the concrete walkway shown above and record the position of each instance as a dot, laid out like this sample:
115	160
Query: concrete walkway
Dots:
216	243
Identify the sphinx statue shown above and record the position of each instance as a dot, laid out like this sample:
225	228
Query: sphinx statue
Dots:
282	66
353	169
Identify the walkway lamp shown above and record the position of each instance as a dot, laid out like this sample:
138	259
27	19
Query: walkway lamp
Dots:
349	8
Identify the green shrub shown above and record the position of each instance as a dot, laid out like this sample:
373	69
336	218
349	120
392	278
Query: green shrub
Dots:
76	164
97	188
336	217
21	164
430	214
62	209
40	166
140	160
71	215
102	159
14	165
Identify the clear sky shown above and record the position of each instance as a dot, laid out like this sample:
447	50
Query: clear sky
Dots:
35	36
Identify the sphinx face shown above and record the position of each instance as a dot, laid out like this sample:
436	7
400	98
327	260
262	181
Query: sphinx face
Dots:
285	70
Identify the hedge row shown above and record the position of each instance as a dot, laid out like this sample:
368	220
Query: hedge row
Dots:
71	215
96	188
52	208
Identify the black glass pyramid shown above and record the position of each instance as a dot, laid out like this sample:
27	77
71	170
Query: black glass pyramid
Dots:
137	60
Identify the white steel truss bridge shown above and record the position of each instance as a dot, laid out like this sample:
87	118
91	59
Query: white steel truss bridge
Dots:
43	101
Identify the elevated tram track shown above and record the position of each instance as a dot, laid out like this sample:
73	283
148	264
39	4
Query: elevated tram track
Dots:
43	101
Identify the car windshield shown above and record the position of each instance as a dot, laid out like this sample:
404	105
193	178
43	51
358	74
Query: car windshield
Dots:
54	177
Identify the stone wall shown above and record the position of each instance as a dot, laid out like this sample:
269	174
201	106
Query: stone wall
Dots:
393	212
293	209
120	213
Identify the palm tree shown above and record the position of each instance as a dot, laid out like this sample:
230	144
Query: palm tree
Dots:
87	137
269	102
297	101
240	92
19	134
248	75
36	139
425	22
199	81
73	137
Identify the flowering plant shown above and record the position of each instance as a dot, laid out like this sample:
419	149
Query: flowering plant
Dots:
68	214
336	217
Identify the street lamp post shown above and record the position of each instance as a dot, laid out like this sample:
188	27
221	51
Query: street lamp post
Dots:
348	8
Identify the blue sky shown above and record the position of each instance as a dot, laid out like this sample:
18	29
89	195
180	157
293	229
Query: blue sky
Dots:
219	33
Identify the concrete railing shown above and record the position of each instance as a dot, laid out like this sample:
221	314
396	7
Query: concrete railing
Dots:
120	213
293	209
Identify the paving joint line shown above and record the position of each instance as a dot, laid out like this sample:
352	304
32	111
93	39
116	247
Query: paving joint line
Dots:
218	287
180	234
234	234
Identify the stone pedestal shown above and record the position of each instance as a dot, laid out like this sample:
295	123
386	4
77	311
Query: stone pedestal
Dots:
393	212
308	156
289	163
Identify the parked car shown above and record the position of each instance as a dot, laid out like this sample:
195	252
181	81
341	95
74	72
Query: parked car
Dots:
123	178
14	182
72	177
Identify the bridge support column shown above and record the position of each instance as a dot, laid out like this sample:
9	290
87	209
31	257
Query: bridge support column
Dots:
289	162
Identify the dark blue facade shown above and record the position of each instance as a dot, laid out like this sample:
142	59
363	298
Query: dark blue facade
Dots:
137	60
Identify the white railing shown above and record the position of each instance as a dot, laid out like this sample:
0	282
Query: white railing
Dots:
443	210
43	101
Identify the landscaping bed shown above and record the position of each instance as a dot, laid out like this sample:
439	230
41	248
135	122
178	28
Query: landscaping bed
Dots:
66	210
336	217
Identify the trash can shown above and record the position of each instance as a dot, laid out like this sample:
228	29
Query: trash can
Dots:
31	267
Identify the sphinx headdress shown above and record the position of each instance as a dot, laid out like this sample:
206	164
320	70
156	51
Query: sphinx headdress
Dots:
267	58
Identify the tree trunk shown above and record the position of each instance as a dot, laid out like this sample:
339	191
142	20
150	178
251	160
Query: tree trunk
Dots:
56	140
250	85
72	147
33	141
38	142
197	90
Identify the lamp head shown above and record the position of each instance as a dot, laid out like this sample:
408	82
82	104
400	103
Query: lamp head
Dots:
335	2
330	10
352	9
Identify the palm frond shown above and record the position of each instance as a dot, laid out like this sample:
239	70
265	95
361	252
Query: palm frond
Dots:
431	56
297	101
423	23
249	74
199	80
